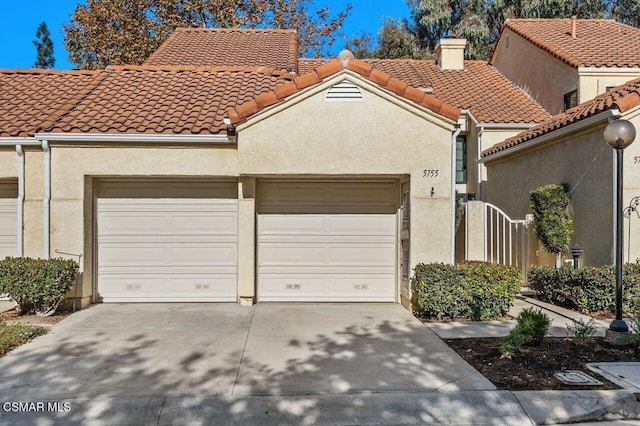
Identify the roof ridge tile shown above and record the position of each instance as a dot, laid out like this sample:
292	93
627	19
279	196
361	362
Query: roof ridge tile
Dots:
332	67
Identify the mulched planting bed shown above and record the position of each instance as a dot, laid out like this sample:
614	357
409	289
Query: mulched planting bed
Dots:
14	317
533	369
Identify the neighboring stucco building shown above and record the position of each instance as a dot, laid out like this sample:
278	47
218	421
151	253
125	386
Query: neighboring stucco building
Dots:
564	62
570	148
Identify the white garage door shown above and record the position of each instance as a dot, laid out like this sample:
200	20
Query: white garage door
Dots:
337	243
8	219
169	247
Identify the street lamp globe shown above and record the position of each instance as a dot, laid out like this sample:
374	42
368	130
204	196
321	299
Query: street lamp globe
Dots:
619	134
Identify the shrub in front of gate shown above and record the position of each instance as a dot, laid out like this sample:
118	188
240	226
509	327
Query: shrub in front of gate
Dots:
36	284
587	289
473	290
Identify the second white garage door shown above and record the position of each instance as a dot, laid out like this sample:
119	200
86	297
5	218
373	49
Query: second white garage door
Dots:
338	243
167	242
8	220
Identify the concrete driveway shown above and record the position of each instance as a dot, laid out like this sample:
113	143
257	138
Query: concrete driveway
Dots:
168	358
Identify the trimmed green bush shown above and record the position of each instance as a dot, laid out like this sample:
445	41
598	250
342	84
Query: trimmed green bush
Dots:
531	327
474	290
36	284
553	217
586	289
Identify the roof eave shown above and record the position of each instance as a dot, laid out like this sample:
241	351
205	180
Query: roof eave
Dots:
580	125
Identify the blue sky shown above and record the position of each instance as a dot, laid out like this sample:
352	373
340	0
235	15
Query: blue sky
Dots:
18	25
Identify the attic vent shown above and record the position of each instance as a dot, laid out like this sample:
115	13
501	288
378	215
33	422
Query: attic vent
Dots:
345	91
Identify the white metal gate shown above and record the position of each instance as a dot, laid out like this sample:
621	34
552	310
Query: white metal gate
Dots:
490	235
506	240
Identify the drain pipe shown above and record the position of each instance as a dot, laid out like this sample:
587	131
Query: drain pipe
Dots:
454	139
20	201
47	198
479	164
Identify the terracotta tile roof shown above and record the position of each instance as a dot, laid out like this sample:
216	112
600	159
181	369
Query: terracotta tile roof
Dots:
623	97
28	98
167	100
479	87
229	47
598	42
365	69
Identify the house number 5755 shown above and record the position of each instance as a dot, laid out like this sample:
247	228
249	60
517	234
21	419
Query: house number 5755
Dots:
636	160
430	173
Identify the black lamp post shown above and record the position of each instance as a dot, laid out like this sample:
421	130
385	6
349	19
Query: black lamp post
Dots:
576	251
619	134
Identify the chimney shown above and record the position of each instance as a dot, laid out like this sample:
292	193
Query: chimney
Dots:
574	22
450	53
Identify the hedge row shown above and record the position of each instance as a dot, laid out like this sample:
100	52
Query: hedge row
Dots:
587	289
474	290
36	284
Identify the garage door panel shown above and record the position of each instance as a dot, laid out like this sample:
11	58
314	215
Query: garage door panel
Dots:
326	225
159	287
286	225
224	223
326	287
203	255
327	254
131	255
361	225
363	255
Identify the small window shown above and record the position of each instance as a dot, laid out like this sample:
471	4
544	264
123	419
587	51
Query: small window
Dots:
570	100
461	159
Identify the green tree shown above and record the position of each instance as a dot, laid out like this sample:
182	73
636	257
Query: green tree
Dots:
435	19
104	32
362	46
396	40
44	47
627	12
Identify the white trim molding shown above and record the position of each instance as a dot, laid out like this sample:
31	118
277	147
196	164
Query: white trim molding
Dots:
5	141
141	138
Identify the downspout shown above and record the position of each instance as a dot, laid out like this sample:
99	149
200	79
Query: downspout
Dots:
20	201
454	138
47	197
479	164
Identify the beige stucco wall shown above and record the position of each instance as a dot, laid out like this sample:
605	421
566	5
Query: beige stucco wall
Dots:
594	81
631	178
582	160
544	77
8	162
379	136
73	169
33	196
